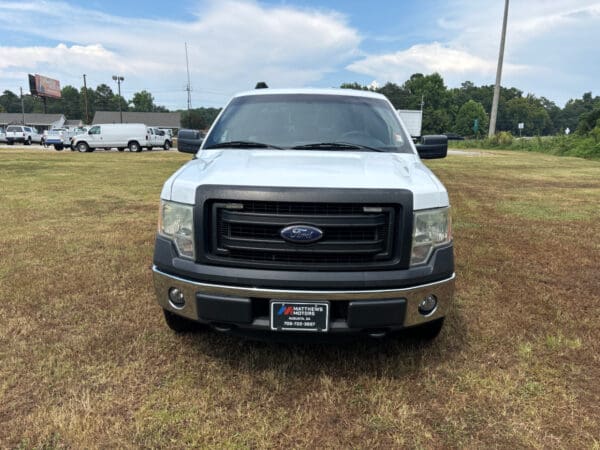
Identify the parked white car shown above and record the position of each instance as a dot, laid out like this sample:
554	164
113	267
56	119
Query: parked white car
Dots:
59	138
2	135
158	138
306	211
133	136
22	134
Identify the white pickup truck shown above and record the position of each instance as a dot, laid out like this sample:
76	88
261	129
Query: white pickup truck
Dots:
22	134
306	213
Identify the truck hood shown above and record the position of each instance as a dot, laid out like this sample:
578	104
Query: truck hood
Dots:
307	168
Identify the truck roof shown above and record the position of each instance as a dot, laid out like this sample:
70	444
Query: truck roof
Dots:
341	92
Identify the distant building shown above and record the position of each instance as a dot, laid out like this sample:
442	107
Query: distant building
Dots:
39	121
152	119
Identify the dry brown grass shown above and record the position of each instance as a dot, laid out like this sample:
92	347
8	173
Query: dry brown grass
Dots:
86	361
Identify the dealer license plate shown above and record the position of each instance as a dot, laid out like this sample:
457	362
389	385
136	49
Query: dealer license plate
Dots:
299	316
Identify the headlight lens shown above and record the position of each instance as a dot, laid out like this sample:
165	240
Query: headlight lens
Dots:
176	221
432	228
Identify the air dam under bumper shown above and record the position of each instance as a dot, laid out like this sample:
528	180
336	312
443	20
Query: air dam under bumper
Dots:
351	311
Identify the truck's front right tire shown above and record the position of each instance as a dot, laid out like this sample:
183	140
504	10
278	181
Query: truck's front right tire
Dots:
179	324
134	147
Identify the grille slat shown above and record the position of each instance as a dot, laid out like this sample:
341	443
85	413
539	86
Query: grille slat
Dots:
352	237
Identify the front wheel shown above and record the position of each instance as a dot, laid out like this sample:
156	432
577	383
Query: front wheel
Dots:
28	141
179	324
134	147
82	147
167	145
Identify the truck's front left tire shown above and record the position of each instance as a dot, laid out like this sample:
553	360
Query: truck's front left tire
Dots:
167	145
82	147
179	324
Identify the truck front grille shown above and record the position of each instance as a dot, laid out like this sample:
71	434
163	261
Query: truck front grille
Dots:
355	236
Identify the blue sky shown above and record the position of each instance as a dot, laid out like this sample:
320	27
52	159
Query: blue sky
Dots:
551	46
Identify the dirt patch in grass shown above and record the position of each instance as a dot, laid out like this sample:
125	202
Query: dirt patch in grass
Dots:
86	361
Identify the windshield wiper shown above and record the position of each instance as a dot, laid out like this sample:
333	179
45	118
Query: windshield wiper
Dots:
336	146
241	144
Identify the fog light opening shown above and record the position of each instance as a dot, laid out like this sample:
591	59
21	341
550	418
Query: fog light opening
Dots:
428	305
176	298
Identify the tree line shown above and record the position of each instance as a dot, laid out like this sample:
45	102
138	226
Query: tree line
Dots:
444	110
455	109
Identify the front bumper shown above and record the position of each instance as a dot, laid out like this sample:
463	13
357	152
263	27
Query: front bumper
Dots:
246	308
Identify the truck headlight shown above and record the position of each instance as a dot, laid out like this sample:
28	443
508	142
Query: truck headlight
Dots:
431	228
176	221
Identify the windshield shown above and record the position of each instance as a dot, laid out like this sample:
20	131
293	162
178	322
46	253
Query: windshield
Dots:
309	121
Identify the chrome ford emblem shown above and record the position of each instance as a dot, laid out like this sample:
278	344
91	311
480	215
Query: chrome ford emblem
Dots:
301	234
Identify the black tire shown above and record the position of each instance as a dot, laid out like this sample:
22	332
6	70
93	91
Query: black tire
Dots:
121	149
28	141
134	147
82	147
58	147
179	324
167	145
429	331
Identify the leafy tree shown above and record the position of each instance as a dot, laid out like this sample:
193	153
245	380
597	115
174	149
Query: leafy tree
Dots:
468	113
71	102
10	102
143	101
104	98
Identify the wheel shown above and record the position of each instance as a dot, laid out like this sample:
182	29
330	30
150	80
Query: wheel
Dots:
429	331
82	147
58	147
121	149
167	145
134	147
28	141
179	324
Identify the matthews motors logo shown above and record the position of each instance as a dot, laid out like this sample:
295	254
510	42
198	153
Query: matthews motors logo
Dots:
301	234
285	310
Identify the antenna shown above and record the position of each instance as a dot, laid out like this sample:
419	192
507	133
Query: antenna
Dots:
188	88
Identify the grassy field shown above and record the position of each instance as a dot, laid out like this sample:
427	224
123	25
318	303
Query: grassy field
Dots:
86	360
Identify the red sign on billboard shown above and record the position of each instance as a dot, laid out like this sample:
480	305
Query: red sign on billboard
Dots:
47	87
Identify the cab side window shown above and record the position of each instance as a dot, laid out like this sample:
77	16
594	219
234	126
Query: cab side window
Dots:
94	130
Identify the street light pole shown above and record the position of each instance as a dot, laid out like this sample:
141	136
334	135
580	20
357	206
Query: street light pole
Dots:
494	112
118	79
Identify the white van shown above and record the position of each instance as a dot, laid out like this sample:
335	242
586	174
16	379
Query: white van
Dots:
134	136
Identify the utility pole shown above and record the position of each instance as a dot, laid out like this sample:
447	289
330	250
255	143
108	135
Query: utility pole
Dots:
118	79
85	101
494	112
188	88
22	107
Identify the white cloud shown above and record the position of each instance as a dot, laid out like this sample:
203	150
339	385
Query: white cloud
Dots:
549	47
427	58
232	45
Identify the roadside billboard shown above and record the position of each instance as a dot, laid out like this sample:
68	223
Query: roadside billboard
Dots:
42	86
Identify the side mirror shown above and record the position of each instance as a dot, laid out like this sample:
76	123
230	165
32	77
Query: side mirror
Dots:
90	132
433	146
